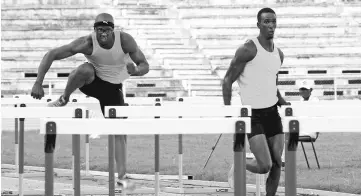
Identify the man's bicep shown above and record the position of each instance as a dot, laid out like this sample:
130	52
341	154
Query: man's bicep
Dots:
137	56
237	65
76	46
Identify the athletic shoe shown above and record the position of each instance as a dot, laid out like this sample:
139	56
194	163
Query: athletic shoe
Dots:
126	184
59	102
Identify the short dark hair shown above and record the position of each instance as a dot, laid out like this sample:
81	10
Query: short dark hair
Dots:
264	10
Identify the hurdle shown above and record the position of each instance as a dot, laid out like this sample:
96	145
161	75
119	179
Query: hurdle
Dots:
215	122
17	100
23	112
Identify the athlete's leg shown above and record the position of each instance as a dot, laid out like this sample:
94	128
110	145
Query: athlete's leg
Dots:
115	98
275	139
259	147
82	75
276	144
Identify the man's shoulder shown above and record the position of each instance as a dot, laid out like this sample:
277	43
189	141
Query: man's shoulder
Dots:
248	49
125	37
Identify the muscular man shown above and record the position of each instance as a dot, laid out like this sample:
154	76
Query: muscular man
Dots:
255	67
102	76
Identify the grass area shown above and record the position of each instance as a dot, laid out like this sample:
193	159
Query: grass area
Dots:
339	156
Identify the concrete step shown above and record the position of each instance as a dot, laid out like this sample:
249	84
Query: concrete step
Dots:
180	56
286	41
192	72
74	33
38	55
64	73
293	61
17	24
189	67
315	72
249	10
176	51
237	20
197	76
336	51
76	11
60	83
213	81
168	42
165	94
185	61
173	46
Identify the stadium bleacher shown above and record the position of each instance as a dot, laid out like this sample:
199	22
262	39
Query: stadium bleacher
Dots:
188	45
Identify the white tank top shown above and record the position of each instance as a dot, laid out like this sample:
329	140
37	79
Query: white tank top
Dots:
257	83
109	65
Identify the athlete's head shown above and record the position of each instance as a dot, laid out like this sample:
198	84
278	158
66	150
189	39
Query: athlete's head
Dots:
305	89
104	26
266	22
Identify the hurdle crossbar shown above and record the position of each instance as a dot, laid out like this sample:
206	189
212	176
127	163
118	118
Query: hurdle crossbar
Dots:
153	127
141	126
321	110
23	112
177	110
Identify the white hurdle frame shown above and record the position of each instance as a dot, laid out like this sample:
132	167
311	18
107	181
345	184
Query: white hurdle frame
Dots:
23	112
190	124
17	100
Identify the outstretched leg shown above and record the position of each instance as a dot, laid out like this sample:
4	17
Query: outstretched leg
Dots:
82	75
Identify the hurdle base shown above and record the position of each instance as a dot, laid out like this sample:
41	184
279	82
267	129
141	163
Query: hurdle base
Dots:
208	190
26	193
26	175
93	191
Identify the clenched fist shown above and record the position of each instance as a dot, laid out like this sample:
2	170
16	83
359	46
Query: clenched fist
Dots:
37	92
132	69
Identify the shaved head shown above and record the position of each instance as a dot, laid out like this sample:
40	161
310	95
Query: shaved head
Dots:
104	17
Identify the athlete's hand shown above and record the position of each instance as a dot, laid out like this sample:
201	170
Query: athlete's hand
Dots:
132	69
281	103
37	92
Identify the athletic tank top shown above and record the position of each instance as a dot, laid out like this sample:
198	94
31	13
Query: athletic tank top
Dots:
257	84
109	64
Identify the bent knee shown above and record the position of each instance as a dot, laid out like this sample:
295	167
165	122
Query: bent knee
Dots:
265	168
85	70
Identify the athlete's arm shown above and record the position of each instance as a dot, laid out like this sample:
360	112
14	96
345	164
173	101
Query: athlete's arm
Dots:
243	55
130	46
281	100
80	45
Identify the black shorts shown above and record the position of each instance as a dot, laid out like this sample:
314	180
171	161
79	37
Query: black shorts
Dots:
107	93
266	121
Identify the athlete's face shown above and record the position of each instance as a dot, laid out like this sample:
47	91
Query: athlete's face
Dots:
267	25
305	93
104	34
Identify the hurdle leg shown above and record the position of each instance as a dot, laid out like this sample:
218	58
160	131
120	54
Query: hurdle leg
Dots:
290	167
76	164
16	145
87	155
240	160
111	155
156	165
50	139
180	147
87	149
21	156
258	184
